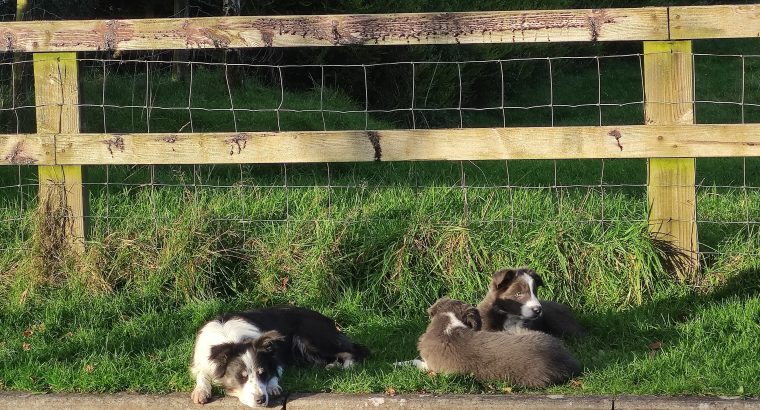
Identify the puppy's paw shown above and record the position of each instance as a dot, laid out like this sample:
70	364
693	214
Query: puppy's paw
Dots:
418	363
200	395
275	390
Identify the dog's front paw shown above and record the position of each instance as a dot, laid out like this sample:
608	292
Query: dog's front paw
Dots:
275	390
200	395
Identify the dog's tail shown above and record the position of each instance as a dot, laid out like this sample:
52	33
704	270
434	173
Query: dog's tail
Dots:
360	352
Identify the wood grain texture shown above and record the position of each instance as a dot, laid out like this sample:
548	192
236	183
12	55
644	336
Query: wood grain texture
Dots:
671	191
703	22
62	194
632	141
27	149
624	24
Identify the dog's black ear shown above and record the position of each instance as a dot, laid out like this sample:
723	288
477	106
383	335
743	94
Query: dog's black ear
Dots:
267	341
472	319
221	354
502	278
536	278
433	310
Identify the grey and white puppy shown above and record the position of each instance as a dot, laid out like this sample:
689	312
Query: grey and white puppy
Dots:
453	343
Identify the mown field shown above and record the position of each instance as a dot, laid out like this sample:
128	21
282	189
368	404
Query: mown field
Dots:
373	245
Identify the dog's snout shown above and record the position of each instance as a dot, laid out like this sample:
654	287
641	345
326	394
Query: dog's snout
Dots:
537	309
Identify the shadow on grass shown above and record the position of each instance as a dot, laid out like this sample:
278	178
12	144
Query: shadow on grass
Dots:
677	335
622	351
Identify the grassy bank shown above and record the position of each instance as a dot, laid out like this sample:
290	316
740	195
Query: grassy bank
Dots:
374	244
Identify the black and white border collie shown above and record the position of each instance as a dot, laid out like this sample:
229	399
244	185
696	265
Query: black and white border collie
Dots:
246	352
512	302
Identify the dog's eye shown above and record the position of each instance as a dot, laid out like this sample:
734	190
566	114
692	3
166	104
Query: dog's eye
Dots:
260	371
244	374
519	294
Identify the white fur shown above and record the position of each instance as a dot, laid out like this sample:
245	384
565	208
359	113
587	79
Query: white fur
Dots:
420	364
527	309
256	388
453	323
202	390
512	321
215	333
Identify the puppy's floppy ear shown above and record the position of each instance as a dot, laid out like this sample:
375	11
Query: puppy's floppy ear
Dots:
472	319
433	310
536	278
267	341
221	355
502	278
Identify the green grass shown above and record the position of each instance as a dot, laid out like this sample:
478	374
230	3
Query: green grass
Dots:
373	245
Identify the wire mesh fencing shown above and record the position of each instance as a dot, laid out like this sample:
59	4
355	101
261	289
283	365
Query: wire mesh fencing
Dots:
485	213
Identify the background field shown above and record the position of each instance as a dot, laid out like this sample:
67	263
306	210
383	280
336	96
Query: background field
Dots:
373	245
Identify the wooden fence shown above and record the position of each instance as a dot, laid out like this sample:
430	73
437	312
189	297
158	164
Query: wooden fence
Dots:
669	138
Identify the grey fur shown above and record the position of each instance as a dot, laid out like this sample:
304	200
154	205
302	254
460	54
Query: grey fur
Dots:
521	356
557	319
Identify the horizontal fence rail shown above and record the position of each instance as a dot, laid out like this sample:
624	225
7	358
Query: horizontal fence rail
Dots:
338	30
576	142
705	22
618	24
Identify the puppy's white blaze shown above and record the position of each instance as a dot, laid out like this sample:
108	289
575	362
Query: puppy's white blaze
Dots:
527	309
252	389
453	323
259	387
247	359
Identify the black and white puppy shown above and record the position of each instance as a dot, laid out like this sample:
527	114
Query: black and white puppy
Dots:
246	352
512	302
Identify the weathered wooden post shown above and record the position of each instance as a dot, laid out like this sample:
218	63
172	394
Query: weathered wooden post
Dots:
17	69
62	195
669	100
179	57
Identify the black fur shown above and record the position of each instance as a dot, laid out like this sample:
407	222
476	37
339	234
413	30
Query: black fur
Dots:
303	327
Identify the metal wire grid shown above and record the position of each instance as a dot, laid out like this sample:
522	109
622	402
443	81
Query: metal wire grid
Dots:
155	68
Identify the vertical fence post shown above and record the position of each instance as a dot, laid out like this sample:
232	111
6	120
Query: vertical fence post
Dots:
669	97
62	194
